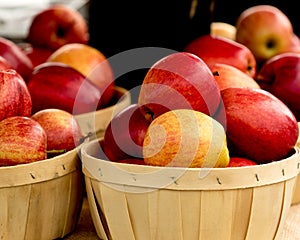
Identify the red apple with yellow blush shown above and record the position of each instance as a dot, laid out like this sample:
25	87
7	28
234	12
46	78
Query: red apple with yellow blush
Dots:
265	30
179	80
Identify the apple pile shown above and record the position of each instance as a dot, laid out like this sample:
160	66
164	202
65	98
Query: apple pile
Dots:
28	138
192	113
269	34
47	80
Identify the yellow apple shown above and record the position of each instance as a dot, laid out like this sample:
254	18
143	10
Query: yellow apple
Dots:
91	63
223	29
265	30
185	138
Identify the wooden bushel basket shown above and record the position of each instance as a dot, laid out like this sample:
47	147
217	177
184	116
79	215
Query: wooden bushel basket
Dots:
41	200
296	194
137	202
97	121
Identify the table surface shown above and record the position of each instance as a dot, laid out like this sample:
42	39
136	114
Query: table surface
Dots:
86	230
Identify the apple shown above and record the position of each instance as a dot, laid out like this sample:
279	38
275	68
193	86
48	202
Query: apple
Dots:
124	135
23	140
16	58
223	29
216	49
265	30
280	75
91	63
185	138
229	76
37	55
15	97
295	44
259	125
57	25
62	129
57	85
240	162
179	80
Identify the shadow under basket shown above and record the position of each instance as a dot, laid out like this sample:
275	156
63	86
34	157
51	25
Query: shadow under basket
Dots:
97	121
140	202
41	200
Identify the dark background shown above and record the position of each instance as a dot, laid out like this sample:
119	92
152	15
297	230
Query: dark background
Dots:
117	26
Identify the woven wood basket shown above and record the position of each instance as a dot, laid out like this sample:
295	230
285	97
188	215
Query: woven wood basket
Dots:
296	195
97	121
136	202
41	200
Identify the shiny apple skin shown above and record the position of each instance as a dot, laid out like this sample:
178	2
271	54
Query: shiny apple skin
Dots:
23	140
57	85
259	126
15	97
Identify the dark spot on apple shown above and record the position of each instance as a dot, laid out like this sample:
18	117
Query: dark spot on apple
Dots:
271	43
60	32
249	68
216	73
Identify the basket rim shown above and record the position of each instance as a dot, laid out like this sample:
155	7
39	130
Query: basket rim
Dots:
95	121
178	178
40	171
124	96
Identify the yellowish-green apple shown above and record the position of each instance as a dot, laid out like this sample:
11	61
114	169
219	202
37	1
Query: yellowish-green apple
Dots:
185	138
223	29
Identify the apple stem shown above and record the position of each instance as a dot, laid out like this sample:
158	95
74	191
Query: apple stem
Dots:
84	138
216	73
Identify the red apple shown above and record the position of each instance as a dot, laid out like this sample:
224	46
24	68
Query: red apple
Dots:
61	127
265	30
216	49
179	80
16	58
57	85
91	63
15	99
124	135
259	125
57	25
240	162
280	75
295	44
229	76
37	55
23	140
